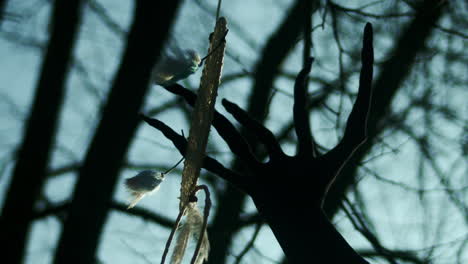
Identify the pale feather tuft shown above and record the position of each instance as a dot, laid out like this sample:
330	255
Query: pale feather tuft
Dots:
191	228
145	182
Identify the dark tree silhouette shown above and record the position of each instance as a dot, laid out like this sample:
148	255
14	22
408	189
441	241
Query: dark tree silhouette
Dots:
98	174
34	153
289	191
297	211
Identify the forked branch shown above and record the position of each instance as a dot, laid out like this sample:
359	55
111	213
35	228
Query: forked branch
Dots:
356	127
209	163
263	134
226	130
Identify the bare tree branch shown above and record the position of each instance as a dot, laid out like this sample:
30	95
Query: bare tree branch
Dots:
263	134
210	164
250	244
226	130
356	127
121	207
301	114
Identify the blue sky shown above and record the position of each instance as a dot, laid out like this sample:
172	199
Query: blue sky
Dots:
401	220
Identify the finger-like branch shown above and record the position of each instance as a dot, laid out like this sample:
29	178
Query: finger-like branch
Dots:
210	164
308	11
226	130
394	71
356	127
301	114
264	135
178	140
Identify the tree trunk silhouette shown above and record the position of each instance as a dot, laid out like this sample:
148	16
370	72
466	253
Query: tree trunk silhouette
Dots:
98	174
34	153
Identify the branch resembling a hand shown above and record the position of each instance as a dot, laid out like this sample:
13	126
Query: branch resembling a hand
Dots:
287	189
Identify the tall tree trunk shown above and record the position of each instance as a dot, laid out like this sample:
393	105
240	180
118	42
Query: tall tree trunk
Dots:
34	153
98	175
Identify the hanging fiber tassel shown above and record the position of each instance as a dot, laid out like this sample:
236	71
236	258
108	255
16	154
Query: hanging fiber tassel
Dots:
191	228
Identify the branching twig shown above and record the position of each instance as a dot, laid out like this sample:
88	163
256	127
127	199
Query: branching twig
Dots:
263	134
212	165
359	224
57	210
228	132
250	244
